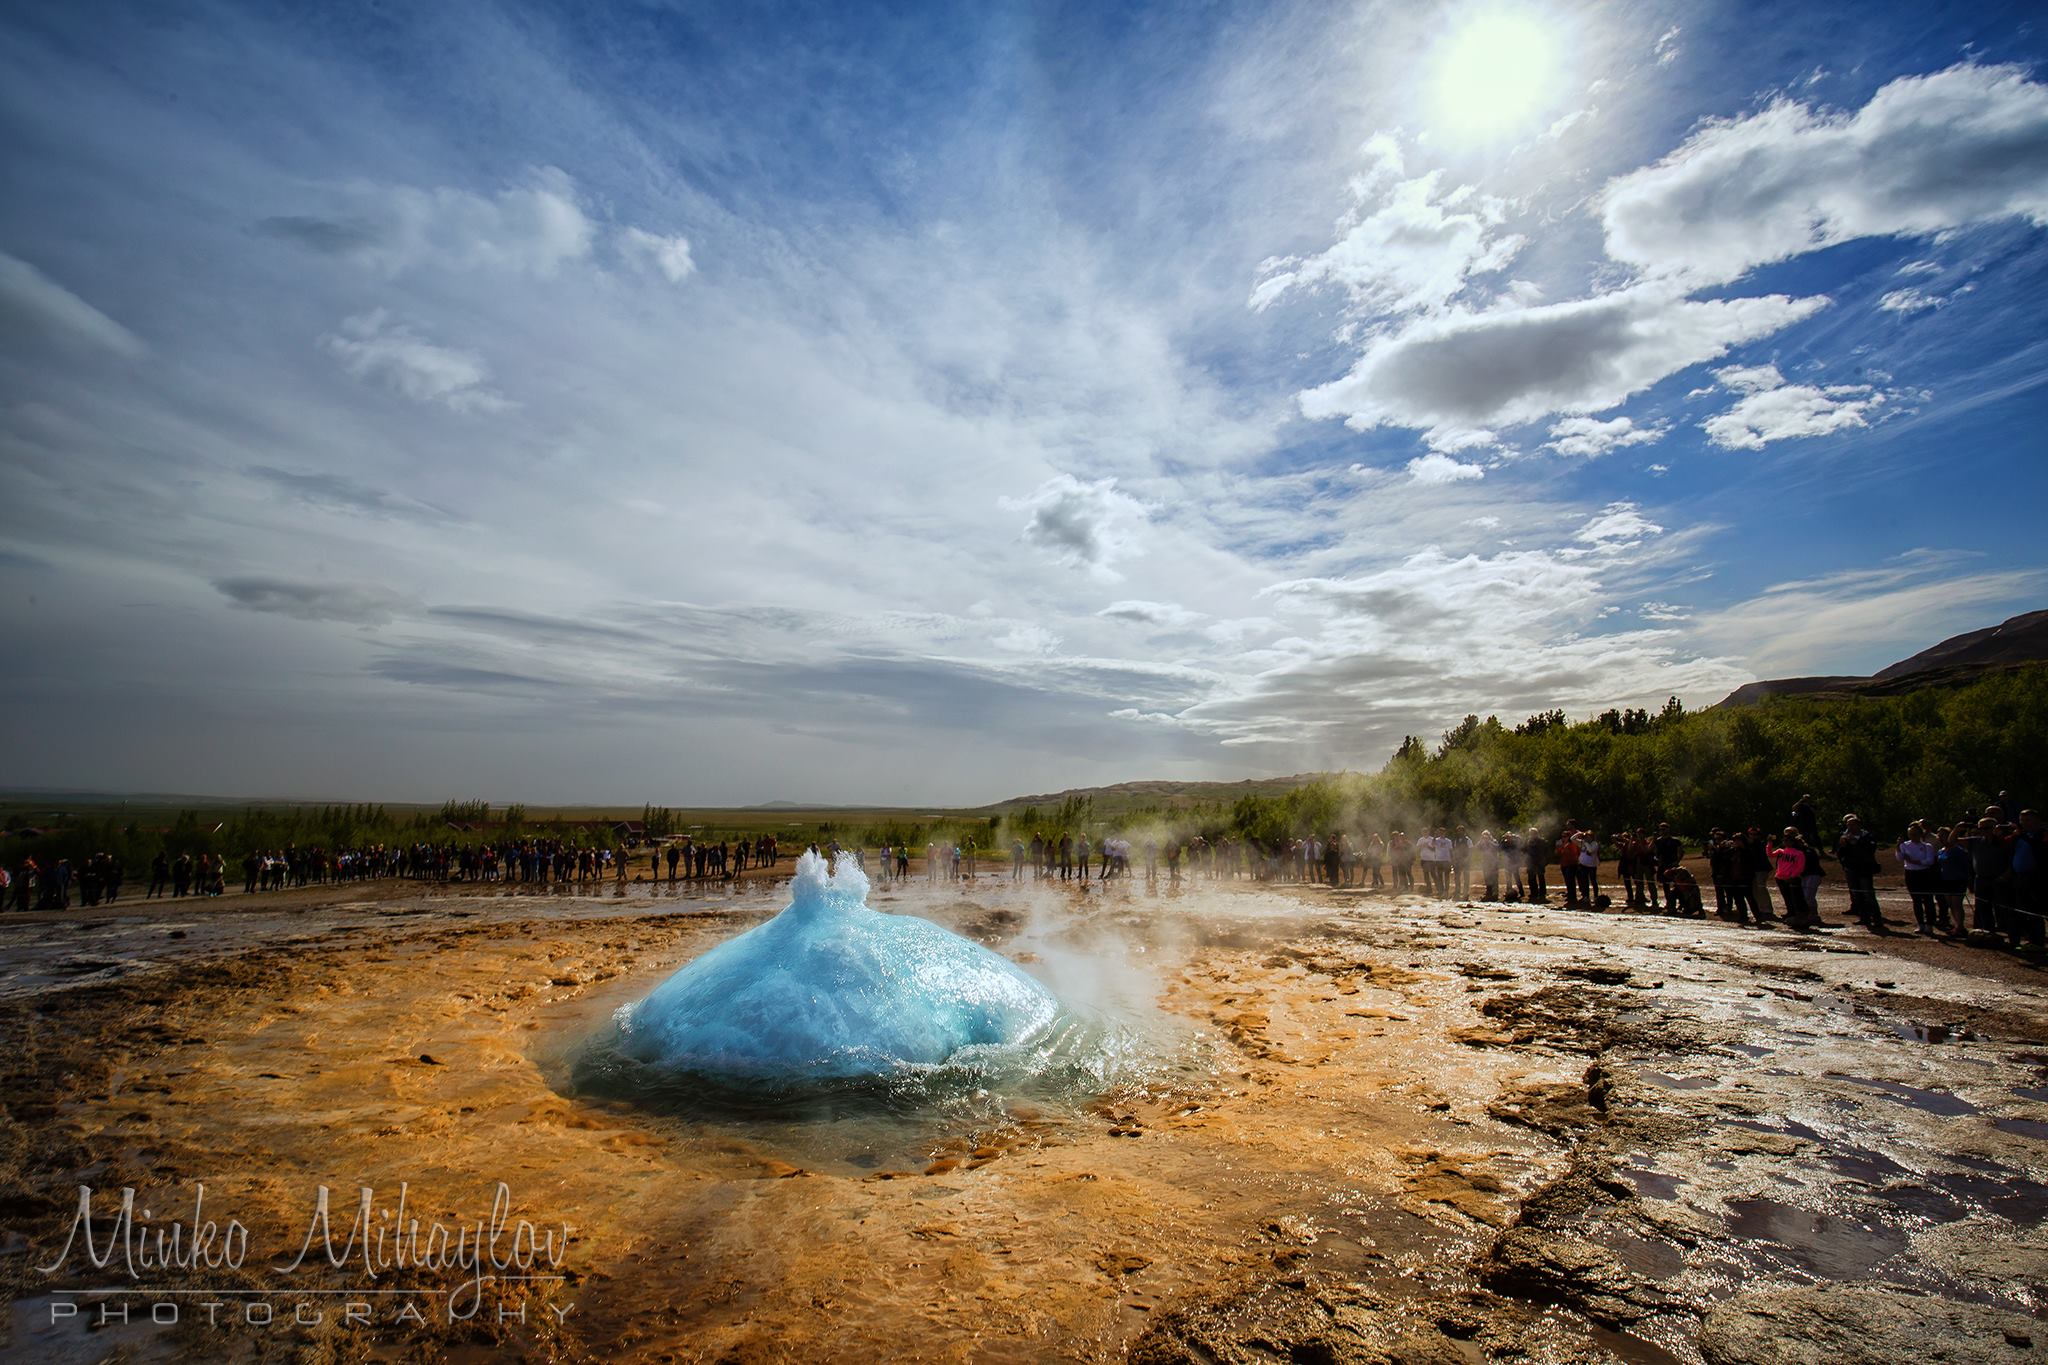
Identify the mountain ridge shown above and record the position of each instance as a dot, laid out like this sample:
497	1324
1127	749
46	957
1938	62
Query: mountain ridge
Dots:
2012	643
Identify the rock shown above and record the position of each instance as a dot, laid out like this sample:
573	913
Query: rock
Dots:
1864	1325
1550	1267
428	1059
1115	1263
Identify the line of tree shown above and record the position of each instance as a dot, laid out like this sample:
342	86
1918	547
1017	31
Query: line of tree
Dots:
1933	753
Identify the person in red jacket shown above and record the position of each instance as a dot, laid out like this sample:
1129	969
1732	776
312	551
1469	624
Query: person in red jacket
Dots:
1789	860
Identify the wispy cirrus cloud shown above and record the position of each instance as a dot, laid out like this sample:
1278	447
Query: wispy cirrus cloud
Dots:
35	308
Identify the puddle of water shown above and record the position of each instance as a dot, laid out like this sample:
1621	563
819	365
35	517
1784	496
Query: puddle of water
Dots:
1830	1247
1927	1101
1751	1049
2021	1200
1860	1163
1652	1184
2027	1128
1630	1347
1934	1033
1918	1201
1670	1082
1649	1257
2028	1092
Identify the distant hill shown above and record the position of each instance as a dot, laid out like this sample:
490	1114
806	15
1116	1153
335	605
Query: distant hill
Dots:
2022	640
1959	659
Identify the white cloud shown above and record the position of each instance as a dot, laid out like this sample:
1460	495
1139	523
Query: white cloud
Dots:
1406	245
1909	301
42	309
1434	469
1481	370
1618	523
1664	611
1772	410
668	255
1591	437
1089	525
1667	48
1485	523
1564	124
376	350
1027	639
1747	378
1926	154
1410	647
531	228
1920	268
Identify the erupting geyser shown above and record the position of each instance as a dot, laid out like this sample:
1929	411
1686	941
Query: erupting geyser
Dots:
831	990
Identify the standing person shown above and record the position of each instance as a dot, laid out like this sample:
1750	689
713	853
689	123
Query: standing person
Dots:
1856	851
1535	851
1757	859
1809	881
1511	865
1666	855
1917	858
1953	867
675	855
2029	882
1789	863
1991	859
1731	879
1376	858
1489	863
1568	864
1461	863
1805	820
1333	860
1589	869
1632	869
1434	849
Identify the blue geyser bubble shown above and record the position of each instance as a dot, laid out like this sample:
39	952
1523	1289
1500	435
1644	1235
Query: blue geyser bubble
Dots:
830	992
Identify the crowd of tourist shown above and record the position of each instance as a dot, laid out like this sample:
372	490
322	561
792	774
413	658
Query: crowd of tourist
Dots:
552	863
1981	874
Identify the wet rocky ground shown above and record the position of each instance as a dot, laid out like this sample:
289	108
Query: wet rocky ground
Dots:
1367	1130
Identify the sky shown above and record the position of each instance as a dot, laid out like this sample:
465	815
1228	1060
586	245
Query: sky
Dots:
710	404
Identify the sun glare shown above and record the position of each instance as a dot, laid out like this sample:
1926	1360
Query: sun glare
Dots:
1494	74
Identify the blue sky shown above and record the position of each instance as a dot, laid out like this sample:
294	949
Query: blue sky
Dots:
722	404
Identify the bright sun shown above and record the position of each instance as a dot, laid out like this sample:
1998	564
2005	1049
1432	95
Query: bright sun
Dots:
1493	74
